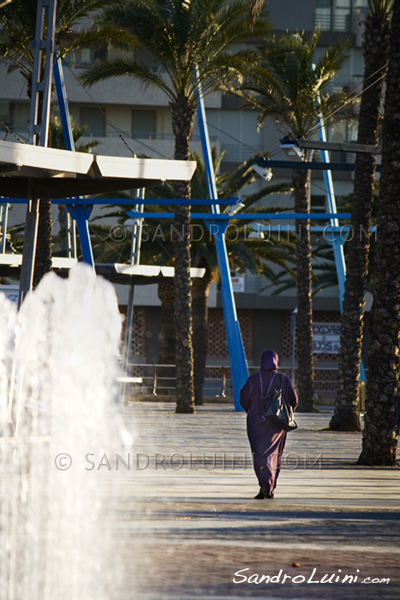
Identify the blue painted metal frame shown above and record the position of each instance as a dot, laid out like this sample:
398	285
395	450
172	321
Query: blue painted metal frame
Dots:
330	200
81	215
336	242
63	105
237	357
78	209
244	216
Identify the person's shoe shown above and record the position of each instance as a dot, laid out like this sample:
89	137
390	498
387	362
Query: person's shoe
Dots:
263	494
260	496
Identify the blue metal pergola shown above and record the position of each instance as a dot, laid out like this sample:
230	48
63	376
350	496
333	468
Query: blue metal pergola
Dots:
80	209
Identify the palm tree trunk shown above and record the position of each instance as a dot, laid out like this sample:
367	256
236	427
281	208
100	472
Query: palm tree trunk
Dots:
379	434
375	49
304	320
182	123
200	289
43	262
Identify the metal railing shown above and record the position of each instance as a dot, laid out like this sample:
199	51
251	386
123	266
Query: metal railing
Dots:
160	380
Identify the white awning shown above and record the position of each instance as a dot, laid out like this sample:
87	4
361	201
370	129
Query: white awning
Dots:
62	173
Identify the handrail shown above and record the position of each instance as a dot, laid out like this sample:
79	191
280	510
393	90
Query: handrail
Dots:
154	382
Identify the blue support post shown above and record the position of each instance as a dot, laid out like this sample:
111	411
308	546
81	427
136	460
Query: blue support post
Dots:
337	241
63	105
81	215
68	142
237	358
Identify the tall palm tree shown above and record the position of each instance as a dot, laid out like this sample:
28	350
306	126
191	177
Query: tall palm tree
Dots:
381	406
291	88
375	51
181	36
17	22
246	253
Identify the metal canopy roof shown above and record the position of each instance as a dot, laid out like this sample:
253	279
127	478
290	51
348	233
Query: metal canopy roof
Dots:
62	173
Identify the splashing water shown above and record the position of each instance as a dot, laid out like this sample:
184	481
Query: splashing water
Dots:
58	379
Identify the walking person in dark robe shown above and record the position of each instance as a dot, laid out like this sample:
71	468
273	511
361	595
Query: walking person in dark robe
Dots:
267	440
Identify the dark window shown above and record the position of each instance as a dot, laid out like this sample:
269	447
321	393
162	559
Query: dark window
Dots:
94	119
86	57
317	203
144	123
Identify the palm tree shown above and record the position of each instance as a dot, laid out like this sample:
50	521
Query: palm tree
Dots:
246	253
291	89
375	51
18	31
380	422
181	36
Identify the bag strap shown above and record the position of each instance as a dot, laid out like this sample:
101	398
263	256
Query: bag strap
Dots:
278	385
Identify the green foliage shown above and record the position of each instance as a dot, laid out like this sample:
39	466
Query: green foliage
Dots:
291	84
180	37
380	8
18	21
57	136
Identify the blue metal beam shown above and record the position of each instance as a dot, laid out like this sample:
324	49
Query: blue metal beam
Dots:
81	215
237	357
63	105
330	202
336	242
243	216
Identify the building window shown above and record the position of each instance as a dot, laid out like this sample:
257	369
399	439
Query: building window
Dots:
86	57
95	121
19	115
337	15
4	112
147	59
144	123
318	203
323	15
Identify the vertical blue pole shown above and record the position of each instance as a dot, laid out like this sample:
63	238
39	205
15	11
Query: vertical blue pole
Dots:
237	358
81	215
70	145
337	241
63	105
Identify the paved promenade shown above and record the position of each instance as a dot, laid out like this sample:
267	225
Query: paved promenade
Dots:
189	522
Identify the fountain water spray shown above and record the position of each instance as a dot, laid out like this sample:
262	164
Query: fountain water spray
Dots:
58	374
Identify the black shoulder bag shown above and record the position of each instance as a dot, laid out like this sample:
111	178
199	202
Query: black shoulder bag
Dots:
278	411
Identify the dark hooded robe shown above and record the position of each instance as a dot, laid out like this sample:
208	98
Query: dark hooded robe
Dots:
266	439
